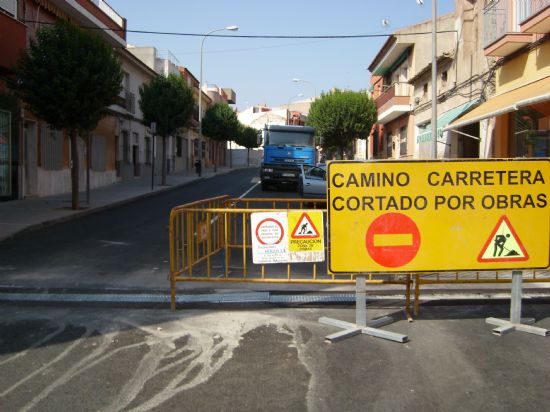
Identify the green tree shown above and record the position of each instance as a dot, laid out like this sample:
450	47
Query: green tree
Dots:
340	117
68	76
168	102
220	123
247	137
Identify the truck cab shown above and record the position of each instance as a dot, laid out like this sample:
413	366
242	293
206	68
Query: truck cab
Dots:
286	148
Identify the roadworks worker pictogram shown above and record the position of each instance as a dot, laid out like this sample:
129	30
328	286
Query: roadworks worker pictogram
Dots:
503	245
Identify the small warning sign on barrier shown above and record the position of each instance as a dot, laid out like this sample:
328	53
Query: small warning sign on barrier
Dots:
287	237
306	242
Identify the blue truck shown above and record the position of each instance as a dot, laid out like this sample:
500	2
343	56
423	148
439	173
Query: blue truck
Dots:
285	149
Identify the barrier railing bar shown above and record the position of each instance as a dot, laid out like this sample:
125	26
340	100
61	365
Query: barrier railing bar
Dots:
226	246
208	245
189	241
244	245
288	271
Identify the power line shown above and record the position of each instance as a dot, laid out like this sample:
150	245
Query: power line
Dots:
249	36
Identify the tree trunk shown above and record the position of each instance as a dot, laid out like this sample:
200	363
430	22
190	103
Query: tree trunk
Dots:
163	160
215	156
88	167
74	170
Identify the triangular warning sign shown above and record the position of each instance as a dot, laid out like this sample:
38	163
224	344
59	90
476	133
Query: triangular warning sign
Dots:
304	229
503	245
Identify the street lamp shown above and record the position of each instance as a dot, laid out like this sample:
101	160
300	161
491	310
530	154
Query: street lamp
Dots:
231	28
434	75
296	80
434	78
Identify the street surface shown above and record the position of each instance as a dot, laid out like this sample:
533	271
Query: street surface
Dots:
259	358
123	247
235	356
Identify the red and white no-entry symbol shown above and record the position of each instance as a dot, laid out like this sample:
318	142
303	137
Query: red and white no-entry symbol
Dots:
269	232
392	240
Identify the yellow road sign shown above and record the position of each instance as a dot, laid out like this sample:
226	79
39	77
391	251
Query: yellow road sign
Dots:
306	241
412	216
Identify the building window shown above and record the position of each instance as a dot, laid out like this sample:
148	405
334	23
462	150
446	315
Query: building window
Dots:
425	91
99	153
389	151
444	79
403	141
530	138
51	148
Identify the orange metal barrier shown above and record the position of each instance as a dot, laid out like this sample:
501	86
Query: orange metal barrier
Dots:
210	242
461	278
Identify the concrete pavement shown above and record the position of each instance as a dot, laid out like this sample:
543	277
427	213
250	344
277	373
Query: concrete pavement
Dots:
21	215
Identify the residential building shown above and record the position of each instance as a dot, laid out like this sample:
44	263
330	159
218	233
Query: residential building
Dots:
515	121
38	157
187	146
404	57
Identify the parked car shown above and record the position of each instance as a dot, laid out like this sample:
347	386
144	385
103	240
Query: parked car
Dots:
312	182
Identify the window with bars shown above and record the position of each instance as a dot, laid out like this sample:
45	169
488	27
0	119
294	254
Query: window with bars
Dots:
403	141
99	160
51	148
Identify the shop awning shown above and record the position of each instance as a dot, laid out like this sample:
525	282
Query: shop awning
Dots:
444	120
532	93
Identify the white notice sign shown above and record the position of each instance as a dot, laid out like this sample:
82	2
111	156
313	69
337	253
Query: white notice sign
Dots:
269	237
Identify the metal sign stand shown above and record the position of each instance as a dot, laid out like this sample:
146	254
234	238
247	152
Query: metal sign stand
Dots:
516	322
361	325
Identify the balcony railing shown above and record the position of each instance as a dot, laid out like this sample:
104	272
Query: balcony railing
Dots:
495	21
389	91
127	100
109	11
528	8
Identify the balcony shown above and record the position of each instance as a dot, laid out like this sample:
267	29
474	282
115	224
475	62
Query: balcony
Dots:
11	50
501	28
393	102
534	16
127	100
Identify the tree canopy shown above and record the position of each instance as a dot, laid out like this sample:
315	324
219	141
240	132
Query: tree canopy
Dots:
220	123
341	116
67	77
247	137
168	102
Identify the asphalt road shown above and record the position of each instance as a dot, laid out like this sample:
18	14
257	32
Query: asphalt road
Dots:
259	358
124	247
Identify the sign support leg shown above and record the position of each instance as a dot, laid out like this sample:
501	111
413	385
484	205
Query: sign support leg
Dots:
516	322
361	326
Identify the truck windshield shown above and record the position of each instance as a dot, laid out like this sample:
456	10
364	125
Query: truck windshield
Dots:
290	139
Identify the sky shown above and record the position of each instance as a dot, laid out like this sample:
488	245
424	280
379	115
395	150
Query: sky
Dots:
259	70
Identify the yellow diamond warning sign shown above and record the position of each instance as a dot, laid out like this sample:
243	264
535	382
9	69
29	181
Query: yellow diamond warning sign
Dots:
306	243
503	245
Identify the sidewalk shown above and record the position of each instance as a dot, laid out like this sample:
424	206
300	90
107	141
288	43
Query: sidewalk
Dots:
21	215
